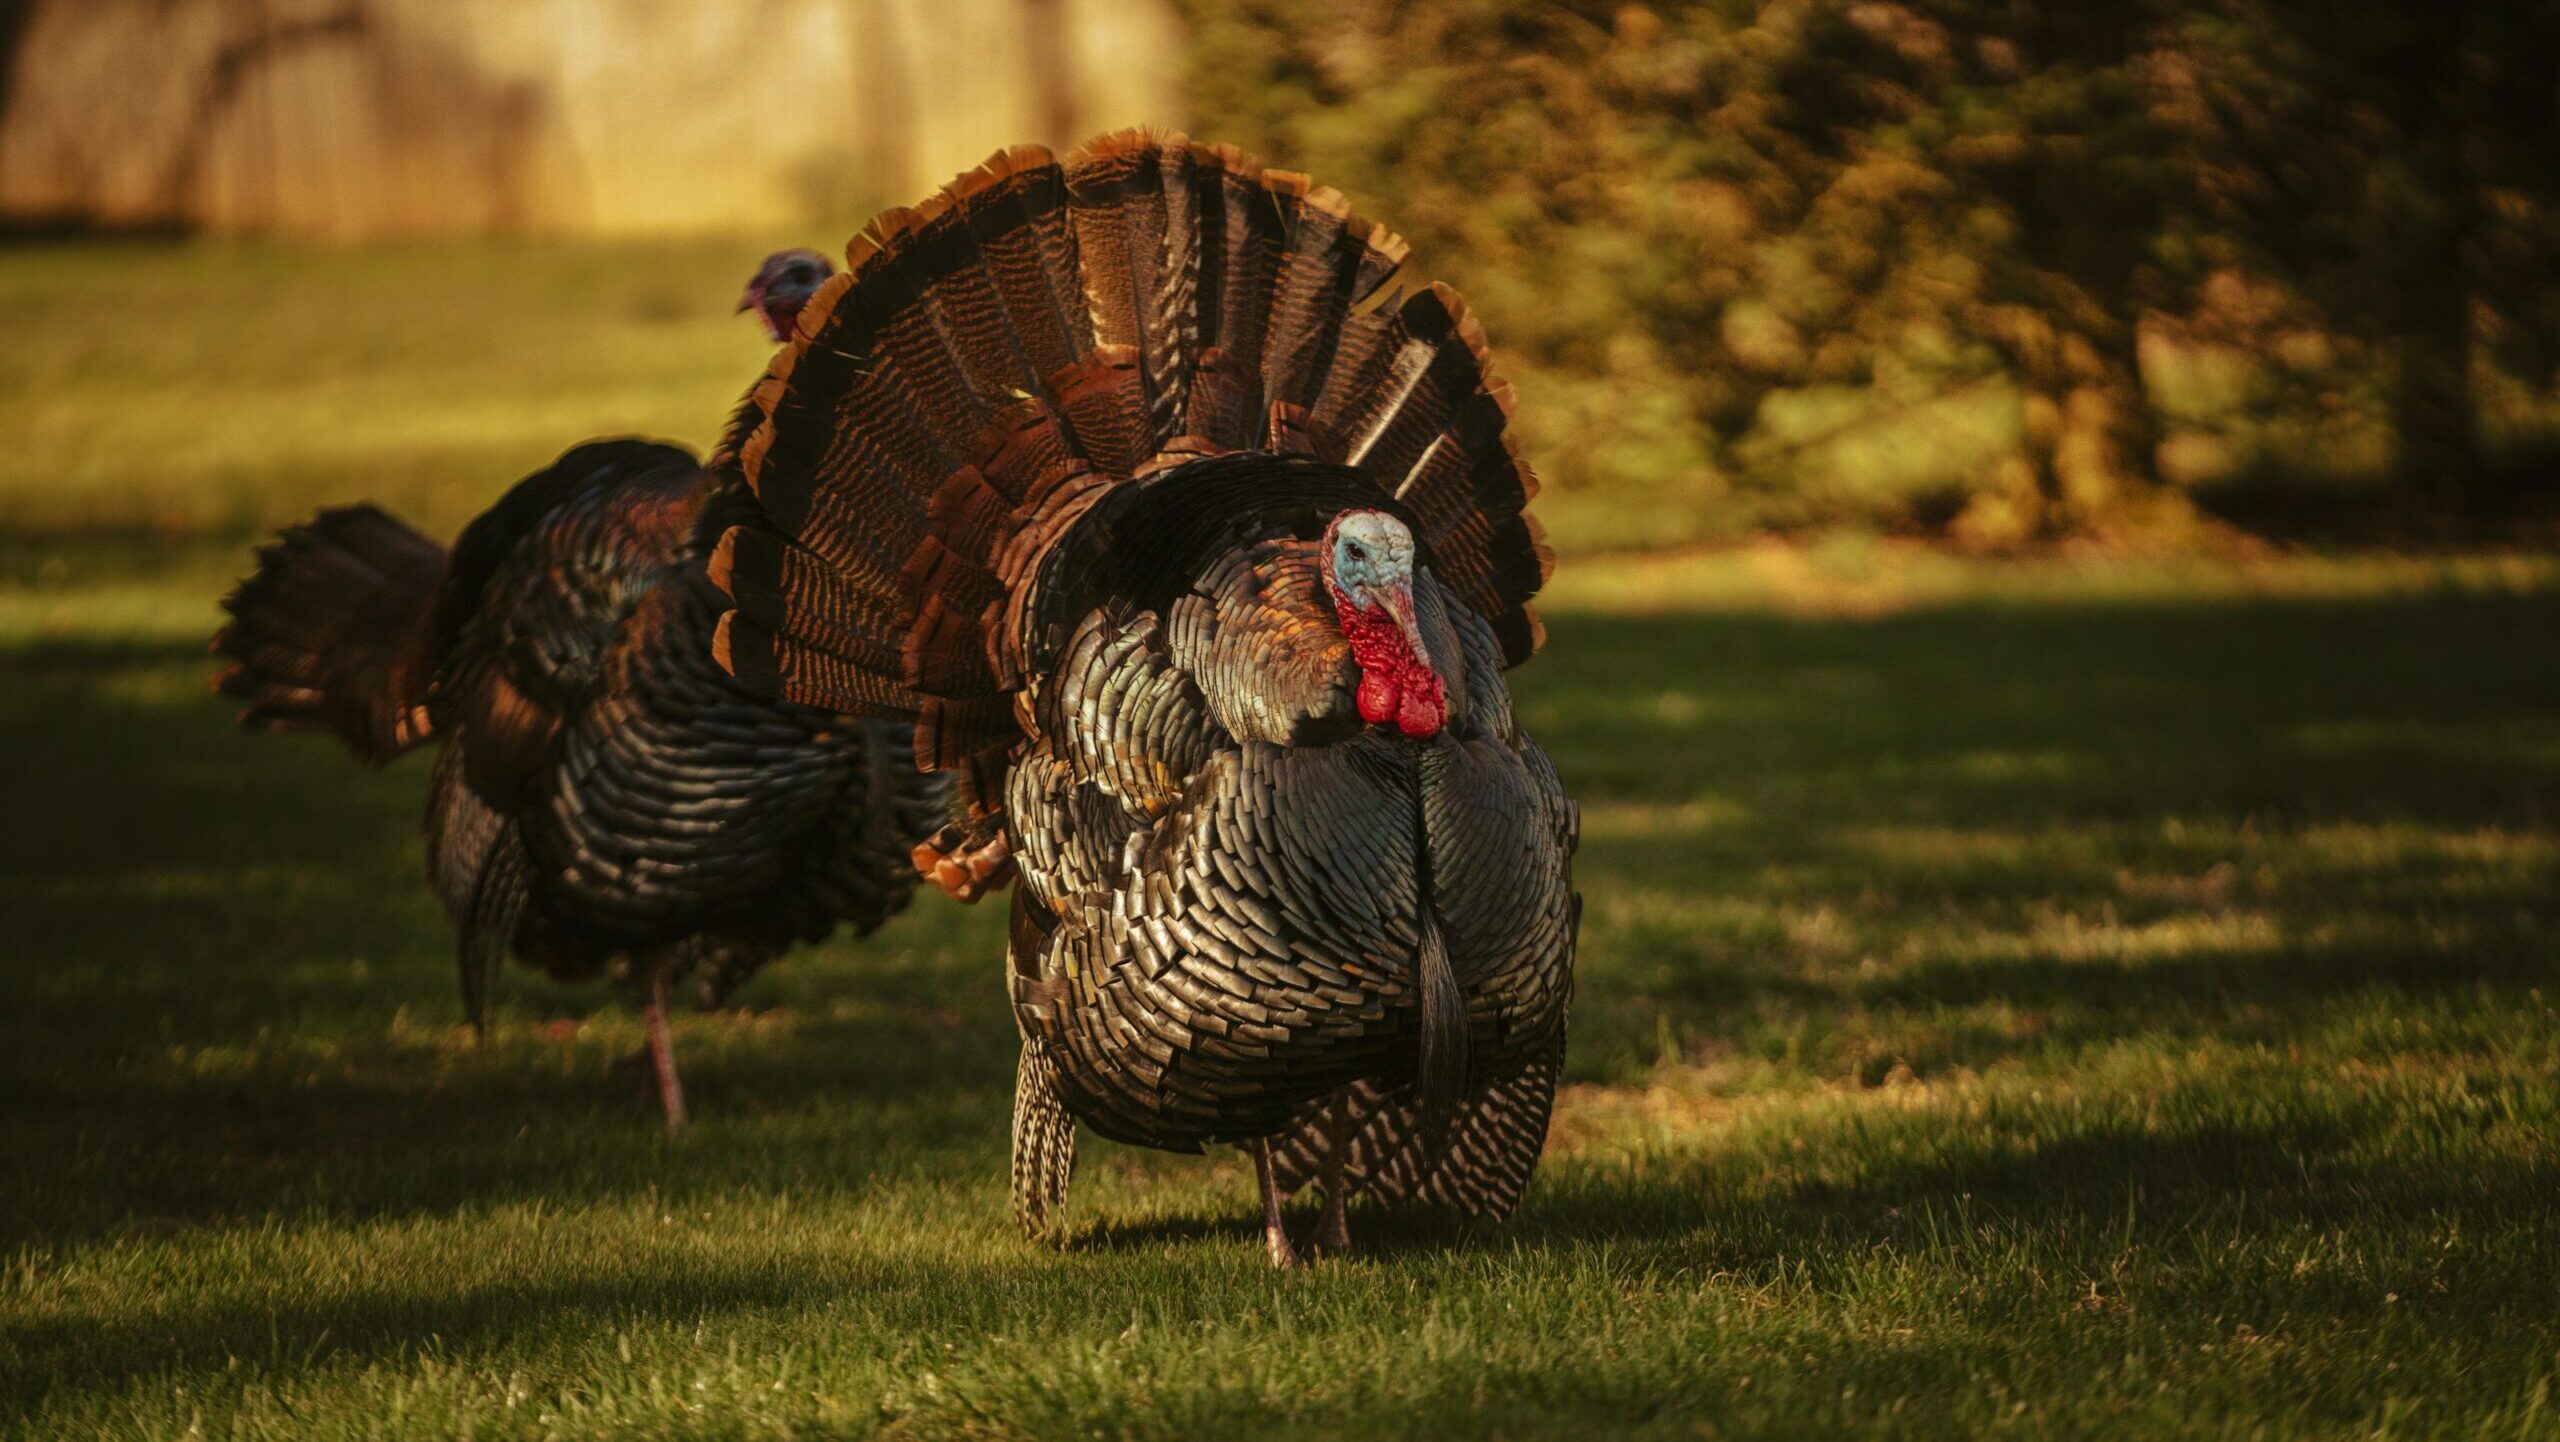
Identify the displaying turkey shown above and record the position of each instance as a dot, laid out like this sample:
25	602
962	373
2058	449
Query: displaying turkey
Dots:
1198	557
605	798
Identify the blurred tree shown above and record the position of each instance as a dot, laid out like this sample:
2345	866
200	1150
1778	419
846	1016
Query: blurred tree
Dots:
1930	263
14	15
2381	158
2050	115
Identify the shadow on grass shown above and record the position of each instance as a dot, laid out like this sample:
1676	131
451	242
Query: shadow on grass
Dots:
232	997
2076	1203
1107	1235
392	1321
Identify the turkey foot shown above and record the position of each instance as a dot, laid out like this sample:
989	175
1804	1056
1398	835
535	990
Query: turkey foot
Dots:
1333	1229
662	1054
1275	1237
965	872
1333	1234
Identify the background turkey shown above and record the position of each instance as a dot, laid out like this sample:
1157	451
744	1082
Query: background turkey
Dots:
605	798
1201	564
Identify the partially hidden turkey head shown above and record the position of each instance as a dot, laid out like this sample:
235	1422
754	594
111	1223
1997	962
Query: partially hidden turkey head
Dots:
782	285
1368	570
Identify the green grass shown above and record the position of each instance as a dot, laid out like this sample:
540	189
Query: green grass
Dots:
159	389
2024	1000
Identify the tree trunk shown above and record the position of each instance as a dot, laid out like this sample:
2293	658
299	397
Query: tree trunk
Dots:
2432	406
2137	432
2431	400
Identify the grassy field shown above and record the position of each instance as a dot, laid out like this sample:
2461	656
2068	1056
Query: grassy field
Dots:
2104	999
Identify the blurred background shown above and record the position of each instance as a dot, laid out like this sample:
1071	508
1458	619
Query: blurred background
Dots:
2055	649
1994	273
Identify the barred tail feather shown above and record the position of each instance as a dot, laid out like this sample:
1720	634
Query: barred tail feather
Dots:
500	895
1044	1145
1482	1166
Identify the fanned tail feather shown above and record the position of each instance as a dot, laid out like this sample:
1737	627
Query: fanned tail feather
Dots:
1043	332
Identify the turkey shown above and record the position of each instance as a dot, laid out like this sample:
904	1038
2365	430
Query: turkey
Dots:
1197	557
605	798
781	286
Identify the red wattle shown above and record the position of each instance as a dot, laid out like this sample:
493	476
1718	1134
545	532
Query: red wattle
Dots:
1395	684
1379	697
1424	709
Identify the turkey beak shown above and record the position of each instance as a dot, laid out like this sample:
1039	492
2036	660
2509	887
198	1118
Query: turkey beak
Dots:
751	299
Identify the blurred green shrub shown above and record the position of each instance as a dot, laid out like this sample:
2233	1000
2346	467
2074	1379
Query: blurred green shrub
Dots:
2004	273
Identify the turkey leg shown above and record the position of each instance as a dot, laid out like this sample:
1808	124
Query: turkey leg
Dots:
662	1053
1333	1230
1274	1235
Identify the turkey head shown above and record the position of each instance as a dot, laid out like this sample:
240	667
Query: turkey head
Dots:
781	286
1368	571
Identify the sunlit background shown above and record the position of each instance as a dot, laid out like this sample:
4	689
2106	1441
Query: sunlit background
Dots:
1990	273
2055	645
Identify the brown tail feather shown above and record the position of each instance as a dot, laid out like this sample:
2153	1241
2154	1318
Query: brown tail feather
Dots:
1043	331
329	633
